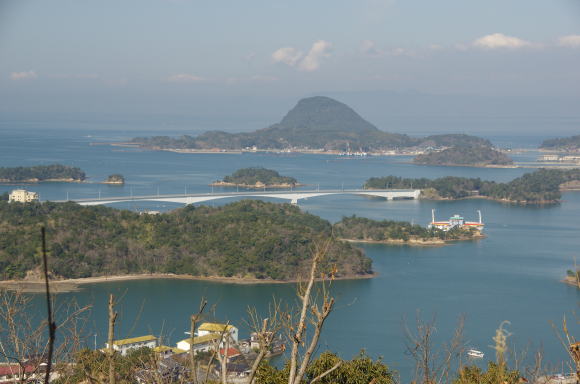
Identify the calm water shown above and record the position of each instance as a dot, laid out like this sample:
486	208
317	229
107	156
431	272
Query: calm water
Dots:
512	275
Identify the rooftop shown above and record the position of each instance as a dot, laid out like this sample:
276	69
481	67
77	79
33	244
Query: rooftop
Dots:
135	340
215	327
202	339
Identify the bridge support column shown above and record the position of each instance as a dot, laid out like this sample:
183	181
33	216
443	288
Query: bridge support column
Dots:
390	198
294	201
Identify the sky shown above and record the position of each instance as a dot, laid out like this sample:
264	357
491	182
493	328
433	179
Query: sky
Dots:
240	65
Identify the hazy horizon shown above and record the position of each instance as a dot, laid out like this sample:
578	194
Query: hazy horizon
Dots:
242	66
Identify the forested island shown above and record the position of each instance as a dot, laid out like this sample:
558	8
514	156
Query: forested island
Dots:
256	177
360	229
115	178
315	123
40	173
246	240
541	186
565	144
467	155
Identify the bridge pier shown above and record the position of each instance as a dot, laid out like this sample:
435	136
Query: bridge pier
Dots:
294	201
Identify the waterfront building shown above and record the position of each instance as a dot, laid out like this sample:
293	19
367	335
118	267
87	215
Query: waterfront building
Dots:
219	329
205	343
125	345
165	351
22	196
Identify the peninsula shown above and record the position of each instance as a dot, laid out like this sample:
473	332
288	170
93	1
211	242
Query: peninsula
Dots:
565	144
247	240
256	178
540	187
467	155
316	124
360	229
41	173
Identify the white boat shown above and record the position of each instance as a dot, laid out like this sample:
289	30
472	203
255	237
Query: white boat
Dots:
475	354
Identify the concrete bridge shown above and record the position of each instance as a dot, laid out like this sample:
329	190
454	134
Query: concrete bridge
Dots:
293	196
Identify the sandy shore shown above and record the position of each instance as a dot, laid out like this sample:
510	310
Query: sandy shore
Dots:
73	285
571	281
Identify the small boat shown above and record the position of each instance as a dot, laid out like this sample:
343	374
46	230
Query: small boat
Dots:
475	354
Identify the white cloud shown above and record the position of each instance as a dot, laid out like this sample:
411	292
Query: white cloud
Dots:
499	40
287	55
25	75
569	41
185	78
319	50
304	62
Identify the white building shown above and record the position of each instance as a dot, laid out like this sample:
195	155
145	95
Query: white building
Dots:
218	329
22	196
205	343
125	345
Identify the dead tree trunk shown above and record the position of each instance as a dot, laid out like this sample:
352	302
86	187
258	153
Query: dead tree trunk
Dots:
111	339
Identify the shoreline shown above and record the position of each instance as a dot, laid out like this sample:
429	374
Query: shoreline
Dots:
414	242
218	151
75	285
570	281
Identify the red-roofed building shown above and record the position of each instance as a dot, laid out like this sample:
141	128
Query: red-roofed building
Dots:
11	373
230	354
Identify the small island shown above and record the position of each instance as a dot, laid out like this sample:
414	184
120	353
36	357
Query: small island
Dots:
466	155
41	173
543	186
363	230
564	144
257	178
248	240
115	179
572	278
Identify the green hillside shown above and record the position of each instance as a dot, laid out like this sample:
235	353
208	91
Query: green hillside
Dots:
246	239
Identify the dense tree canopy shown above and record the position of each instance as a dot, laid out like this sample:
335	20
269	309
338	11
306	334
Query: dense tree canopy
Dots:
249	238
41	173
540	186
464	155
571	143
258	175
360	228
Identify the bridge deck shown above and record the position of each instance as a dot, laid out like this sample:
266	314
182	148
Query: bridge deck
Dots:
293	196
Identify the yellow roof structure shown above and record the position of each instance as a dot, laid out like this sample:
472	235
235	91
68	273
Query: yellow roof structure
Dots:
202	339
135	340
165	348
215	327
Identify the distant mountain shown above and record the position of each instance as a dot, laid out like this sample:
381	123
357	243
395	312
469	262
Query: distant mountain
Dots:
476	155
571	144
314	123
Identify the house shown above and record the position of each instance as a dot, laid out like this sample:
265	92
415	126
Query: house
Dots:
164	351
167	371
230	353
202	343
219	329
22	196
13	373
125	345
